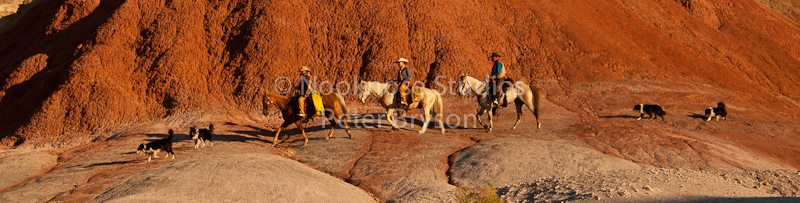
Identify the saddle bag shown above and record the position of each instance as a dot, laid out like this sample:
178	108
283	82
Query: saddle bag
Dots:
316	98
416	93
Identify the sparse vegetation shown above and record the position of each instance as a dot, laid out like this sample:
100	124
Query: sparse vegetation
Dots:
485	194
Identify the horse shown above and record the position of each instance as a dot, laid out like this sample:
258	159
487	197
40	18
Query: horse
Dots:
332	102
520	94
429	101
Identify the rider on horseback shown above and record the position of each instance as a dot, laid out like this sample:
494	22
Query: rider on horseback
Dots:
304	89
403	80
498	76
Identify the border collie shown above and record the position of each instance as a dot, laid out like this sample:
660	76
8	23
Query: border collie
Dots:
153	148
718	112
202	135
649	109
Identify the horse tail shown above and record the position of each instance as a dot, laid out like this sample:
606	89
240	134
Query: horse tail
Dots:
536	105
438	109
342	103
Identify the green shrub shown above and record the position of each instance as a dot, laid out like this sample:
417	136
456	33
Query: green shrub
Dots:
485	194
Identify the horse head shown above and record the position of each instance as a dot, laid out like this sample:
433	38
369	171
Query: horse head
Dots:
462	88
267	102
363	91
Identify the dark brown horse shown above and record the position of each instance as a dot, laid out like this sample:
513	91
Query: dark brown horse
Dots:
332	102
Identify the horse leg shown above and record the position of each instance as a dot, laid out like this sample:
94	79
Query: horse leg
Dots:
302	131
479	114
275	141
390	118
333	123
531	107
519	113
346	126
491	123
427	112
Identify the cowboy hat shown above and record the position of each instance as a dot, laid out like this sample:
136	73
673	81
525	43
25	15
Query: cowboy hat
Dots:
402	60
495	54
305	68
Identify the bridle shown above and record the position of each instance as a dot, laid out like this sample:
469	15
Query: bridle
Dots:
464	85
270	102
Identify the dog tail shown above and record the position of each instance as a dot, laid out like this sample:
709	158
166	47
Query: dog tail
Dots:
210	131
171	134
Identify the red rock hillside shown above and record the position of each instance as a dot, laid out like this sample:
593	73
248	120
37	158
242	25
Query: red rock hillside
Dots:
70	68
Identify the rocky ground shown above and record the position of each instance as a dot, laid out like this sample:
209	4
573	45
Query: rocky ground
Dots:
551	164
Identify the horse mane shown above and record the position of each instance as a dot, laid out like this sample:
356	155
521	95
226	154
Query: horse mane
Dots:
481	84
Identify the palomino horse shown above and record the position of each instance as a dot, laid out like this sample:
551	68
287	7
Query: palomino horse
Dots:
520	94
332	102
429	100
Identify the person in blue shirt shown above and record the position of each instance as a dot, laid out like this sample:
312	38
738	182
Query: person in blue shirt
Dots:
498	76
403	80
304	89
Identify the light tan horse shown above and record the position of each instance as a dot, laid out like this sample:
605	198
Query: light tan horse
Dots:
332	102
427	101
519	94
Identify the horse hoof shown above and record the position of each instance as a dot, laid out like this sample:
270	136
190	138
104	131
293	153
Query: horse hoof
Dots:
421	131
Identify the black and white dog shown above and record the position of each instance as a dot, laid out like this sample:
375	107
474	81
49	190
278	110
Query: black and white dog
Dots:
201	136
718	112
153	148
649	109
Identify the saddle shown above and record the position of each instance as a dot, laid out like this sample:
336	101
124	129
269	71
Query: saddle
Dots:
416	94
313	104
505	88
